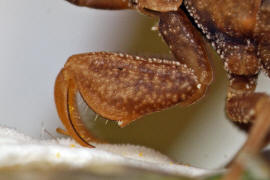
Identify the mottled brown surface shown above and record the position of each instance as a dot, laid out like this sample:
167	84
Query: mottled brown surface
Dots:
250	112
263	20
239	31
258	105
241	99
241	84
230	26
235	18
241	108
158	5
122	87
262	33
142	5
264	53
186	44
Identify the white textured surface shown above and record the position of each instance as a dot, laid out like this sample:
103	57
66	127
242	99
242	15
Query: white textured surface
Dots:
18	149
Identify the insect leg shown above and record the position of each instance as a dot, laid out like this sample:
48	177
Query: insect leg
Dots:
142	5
262	35
123	88
187	46
246	107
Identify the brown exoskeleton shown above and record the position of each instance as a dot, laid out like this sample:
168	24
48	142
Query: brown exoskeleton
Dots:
122	87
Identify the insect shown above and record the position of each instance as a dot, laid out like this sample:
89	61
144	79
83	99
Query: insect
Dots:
123	88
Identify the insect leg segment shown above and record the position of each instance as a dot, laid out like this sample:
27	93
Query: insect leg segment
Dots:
157	5
240	102
262	34
264	53
257	105
123	88
248	109
141	5
241	84
187	46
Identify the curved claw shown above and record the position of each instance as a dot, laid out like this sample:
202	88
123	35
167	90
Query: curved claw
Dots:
64	93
